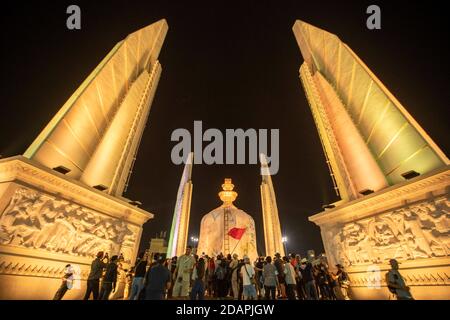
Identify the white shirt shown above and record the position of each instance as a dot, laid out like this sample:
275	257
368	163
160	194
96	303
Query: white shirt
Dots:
245	274
290	273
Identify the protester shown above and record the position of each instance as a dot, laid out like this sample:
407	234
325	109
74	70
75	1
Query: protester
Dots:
185	265
289	272
139	275
128	281
270	279
221	278
157	279
259	264
343	281
198	276
211	269
109	280
322	278
306	270
279	264
396	283
66	283
332	284
93	282
240	280
248	281
234	276
299	279
172	268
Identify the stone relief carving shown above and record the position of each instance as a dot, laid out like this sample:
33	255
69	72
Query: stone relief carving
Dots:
37	270
412	232
36	220
416	279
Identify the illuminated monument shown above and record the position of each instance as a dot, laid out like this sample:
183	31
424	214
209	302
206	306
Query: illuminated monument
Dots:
180	223
391	177
62	201
271	220
227	229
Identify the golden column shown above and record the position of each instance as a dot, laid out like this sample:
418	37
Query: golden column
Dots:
369	138
181	216
95	136
272	228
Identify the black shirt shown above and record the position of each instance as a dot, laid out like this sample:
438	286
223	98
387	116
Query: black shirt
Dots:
140	270
279	265
157	278
307	273
97	267
111	273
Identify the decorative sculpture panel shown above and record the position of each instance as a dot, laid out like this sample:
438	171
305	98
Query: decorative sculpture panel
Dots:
40	221
412	232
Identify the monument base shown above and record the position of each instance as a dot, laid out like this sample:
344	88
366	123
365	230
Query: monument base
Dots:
48	220
408	222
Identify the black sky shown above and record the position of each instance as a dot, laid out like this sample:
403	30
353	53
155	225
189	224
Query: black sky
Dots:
230	65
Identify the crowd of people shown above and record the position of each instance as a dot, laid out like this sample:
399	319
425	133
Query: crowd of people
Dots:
195	277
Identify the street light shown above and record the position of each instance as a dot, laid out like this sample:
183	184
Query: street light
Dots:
284	241
194	241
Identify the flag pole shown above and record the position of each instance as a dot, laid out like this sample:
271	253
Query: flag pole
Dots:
236	245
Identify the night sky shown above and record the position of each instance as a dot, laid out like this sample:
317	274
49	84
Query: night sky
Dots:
230	65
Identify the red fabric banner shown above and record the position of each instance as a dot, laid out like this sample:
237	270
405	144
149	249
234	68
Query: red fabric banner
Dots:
236	233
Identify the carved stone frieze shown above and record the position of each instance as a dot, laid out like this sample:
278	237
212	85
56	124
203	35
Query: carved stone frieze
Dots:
37	220
412	232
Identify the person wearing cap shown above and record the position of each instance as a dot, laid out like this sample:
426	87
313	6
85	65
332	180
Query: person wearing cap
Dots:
306	270
396	283
248	280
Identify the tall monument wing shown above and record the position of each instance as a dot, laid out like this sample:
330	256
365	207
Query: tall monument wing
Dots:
271	220
95	135
369	138
392	178
181	216
60	202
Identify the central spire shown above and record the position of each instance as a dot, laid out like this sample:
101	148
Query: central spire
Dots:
227	195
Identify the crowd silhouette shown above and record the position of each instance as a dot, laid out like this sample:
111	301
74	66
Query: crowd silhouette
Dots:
225	277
